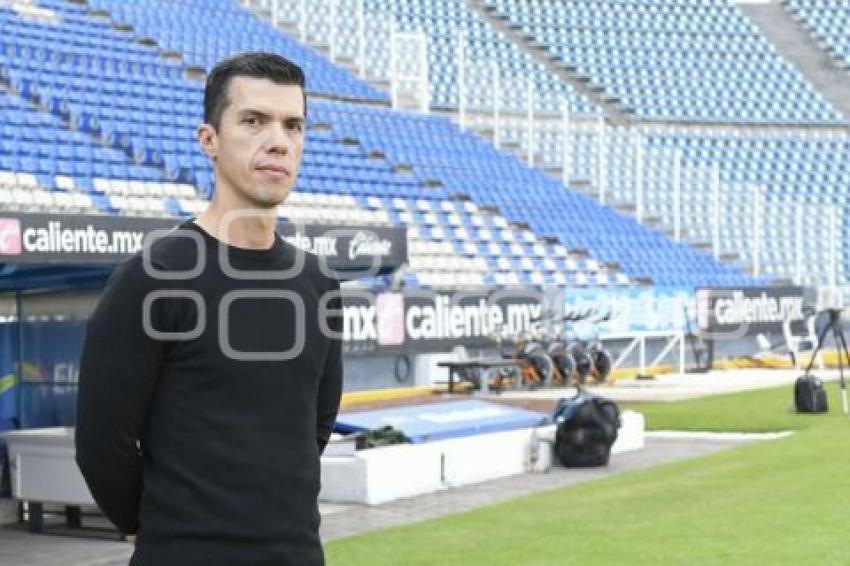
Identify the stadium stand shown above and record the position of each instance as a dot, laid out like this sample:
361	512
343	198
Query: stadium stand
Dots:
102	85
793	170
38	159
828	21
443	22
466	164
467	204
328	165
781	167
656	58
193	29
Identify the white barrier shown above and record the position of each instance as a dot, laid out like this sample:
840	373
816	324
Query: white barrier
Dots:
44	469
379	475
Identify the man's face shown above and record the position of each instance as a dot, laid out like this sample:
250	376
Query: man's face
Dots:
260	139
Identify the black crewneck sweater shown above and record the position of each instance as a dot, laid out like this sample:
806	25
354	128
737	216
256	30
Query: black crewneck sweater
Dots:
209	458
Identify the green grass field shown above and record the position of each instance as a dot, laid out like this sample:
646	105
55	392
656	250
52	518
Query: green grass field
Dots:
777	502
766	410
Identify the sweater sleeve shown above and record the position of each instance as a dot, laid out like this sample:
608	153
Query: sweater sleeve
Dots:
118	370
330	385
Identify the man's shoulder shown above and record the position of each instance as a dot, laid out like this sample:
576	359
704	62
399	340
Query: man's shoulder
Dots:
176	249
313	266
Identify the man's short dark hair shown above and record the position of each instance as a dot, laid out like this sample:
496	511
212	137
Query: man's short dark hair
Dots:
257	65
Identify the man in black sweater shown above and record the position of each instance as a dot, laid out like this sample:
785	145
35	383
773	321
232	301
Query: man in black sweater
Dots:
211	374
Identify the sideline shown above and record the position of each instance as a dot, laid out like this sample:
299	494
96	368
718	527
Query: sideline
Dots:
726	436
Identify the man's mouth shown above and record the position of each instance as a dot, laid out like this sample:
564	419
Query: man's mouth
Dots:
274	169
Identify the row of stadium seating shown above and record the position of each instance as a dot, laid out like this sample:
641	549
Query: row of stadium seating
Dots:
456	247
656	59
828	21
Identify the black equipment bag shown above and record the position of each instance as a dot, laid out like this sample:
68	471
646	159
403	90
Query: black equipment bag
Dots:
587	427
809	395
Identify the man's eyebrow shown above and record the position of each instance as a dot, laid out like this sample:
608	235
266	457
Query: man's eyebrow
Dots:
252	112
263	114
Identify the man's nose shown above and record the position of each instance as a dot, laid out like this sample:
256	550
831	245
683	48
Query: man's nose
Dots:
278	140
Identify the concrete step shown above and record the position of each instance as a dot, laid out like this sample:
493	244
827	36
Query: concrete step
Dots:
794	43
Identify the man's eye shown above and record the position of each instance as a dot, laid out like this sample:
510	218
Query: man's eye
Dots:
251	121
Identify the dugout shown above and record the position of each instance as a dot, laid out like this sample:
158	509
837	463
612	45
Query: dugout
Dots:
52	269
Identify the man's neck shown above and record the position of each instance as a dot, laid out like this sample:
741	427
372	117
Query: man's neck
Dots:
248	228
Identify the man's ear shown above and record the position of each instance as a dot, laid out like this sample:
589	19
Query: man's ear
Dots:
208	139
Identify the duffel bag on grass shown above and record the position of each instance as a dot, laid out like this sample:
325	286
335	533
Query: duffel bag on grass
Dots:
587	427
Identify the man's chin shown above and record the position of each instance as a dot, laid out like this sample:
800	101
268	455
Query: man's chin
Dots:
271	198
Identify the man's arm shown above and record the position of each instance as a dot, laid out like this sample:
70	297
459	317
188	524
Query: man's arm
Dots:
118	371
330	385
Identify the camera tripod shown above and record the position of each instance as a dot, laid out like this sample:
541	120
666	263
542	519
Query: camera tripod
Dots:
834	324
